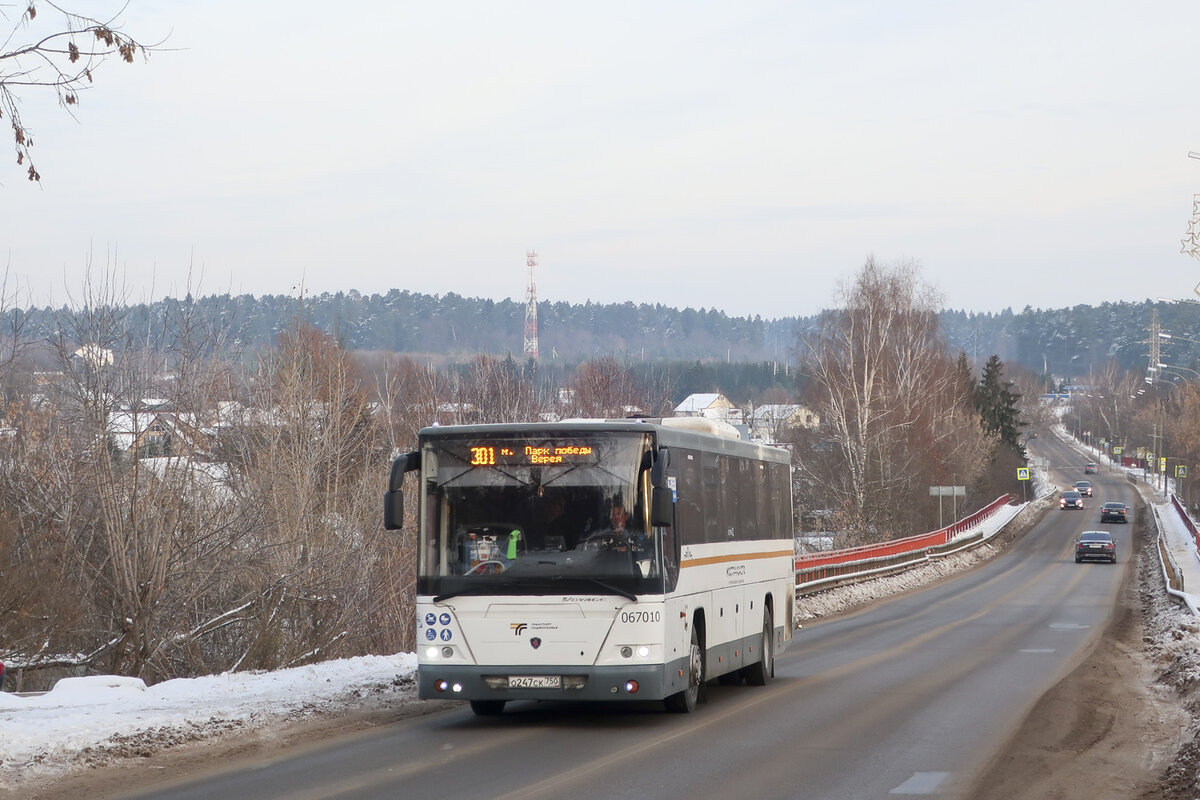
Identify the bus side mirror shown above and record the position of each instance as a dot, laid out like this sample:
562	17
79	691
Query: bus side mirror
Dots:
393	510
393	498
658	472
662	507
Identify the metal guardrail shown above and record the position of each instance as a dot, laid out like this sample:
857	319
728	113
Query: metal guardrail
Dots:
816	571
1167	563
1187	521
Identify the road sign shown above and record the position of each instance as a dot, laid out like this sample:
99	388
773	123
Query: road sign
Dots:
1162	465
1022	473
1180	471
1118	450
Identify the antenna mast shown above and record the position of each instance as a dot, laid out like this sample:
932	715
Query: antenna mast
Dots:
531	333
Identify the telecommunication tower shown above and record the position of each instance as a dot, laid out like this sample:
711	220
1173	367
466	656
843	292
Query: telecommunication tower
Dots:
531	335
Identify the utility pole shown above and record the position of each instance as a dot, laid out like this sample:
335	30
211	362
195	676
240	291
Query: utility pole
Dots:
1155	339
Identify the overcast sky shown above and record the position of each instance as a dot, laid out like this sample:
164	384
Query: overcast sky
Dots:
741	156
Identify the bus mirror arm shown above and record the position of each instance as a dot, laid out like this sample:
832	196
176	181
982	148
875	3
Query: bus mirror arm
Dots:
393	498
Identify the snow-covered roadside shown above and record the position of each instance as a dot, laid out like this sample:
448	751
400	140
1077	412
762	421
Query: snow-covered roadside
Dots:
85	721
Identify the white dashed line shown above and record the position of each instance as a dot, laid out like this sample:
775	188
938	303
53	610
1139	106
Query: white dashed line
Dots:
921	783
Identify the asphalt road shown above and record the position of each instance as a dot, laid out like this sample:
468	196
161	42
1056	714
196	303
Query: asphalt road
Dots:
910	697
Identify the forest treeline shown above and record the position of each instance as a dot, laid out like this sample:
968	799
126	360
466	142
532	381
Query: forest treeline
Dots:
1065	342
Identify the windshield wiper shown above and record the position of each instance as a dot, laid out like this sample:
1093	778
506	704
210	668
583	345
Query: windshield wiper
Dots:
610	588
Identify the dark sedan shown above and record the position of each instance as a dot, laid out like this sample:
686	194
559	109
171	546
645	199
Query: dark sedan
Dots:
1095	546
1070	499
1114	512
1084	488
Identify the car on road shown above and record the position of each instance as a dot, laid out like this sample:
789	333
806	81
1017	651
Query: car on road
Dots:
1084	488
1095	546
1070	499
1089	468
1114	512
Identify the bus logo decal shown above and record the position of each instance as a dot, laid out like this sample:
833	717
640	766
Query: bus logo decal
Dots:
536	642
518	628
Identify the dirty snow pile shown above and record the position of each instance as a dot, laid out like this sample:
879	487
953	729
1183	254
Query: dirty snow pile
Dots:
93	720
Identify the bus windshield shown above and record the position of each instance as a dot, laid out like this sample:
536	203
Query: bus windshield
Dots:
530	514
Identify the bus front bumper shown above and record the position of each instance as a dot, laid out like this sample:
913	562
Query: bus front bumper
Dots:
633	682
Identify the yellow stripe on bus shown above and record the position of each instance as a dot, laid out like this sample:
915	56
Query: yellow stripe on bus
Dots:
702	562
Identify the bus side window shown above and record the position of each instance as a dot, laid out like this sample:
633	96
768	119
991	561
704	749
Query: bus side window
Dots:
689	513
711	493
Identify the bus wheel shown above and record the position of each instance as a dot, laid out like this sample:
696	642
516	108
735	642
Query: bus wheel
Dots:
757	674
685	702
487	708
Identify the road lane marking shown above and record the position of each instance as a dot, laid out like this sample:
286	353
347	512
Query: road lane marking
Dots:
1039	650
921	783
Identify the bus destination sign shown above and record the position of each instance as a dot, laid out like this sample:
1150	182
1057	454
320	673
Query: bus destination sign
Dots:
487	455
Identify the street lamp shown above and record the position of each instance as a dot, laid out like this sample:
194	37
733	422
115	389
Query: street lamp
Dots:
1171	367
1163	335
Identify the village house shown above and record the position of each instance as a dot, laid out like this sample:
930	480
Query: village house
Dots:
770	421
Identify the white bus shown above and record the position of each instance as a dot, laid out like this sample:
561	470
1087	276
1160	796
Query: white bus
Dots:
529	587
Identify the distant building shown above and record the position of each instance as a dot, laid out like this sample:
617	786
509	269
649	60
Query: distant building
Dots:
768	422
456	414
94	357
710	406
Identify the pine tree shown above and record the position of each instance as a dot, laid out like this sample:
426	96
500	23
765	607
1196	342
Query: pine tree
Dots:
997	404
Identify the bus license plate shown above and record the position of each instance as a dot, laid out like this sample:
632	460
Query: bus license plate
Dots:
534	682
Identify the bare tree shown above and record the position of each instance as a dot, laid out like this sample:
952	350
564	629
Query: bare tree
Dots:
498	391
59	51
603	388
314	453
1108	407
887	401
